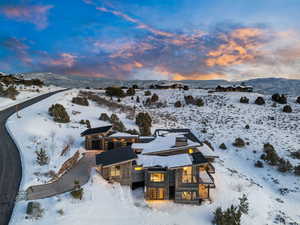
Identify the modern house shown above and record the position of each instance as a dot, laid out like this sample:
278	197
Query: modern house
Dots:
103	138
171	165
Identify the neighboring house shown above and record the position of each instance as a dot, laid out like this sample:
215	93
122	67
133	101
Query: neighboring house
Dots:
171	165
239	88
103	138
168	85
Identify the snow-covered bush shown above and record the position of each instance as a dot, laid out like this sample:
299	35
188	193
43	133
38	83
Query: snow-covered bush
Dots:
232	215
260	101
259	164
297	170
80	101
270	155
77	193
177	104
244	100
147	93
115	92
287	109
281	99
104	117
239	142
284	165
223	146
189	99
11	92
144	122
199	102
59	113
130	92
154	98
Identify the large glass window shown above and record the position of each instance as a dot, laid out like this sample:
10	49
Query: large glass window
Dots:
187	176
188	195
115	171
157	177
156	193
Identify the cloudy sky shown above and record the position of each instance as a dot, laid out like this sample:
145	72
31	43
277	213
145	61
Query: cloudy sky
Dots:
152	39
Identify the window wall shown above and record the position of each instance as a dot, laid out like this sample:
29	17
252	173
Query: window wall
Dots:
156	193
187	175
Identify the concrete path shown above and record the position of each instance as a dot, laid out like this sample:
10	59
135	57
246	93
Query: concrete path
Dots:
10	162
80	172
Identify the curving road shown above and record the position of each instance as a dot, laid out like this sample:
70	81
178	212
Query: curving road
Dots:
10	162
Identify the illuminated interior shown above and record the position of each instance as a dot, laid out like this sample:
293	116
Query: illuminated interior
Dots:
115	171
187	176
157	177
188	195
156	193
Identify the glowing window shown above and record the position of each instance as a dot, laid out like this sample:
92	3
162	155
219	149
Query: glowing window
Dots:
188	195
191	151
156	193
115	171
157	177
187	176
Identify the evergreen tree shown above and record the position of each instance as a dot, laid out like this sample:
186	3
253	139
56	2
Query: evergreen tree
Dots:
42	157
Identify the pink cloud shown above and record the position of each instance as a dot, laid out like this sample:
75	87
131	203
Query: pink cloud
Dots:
64	59
35	14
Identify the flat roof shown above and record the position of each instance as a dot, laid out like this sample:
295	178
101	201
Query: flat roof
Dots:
122	134
115	156
164	161
164	143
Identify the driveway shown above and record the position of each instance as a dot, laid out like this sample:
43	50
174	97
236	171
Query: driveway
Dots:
79	172
10	162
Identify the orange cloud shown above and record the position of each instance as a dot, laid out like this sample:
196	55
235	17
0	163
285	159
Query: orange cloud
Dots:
193	76
246	33
234	52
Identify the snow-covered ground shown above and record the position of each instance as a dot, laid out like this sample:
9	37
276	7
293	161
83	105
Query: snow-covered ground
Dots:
25	94
221	120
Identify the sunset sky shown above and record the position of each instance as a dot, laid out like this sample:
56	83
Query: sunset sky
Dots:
152	39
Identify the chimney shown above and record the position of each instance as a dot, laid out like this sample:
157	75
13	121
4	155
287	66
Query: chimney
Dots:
181	141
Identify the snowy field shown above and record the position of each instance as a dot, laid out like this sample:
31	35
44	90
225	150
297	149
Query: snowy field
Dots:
25	94
221	120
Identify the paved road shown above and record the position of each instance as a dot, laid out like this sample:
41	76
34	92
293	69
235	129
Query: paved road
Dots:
10	163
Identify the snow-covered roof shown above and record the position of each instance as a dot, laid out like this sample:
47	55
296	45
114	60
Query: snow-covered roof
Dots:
163	143
164	161
122	134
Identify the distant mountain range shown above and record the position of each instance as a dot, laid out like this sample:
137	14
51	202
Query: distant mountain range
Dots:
262	85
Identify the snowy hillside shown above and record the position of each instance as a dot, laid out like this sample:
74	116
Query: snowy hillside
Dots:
25	93
263	85
273	196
